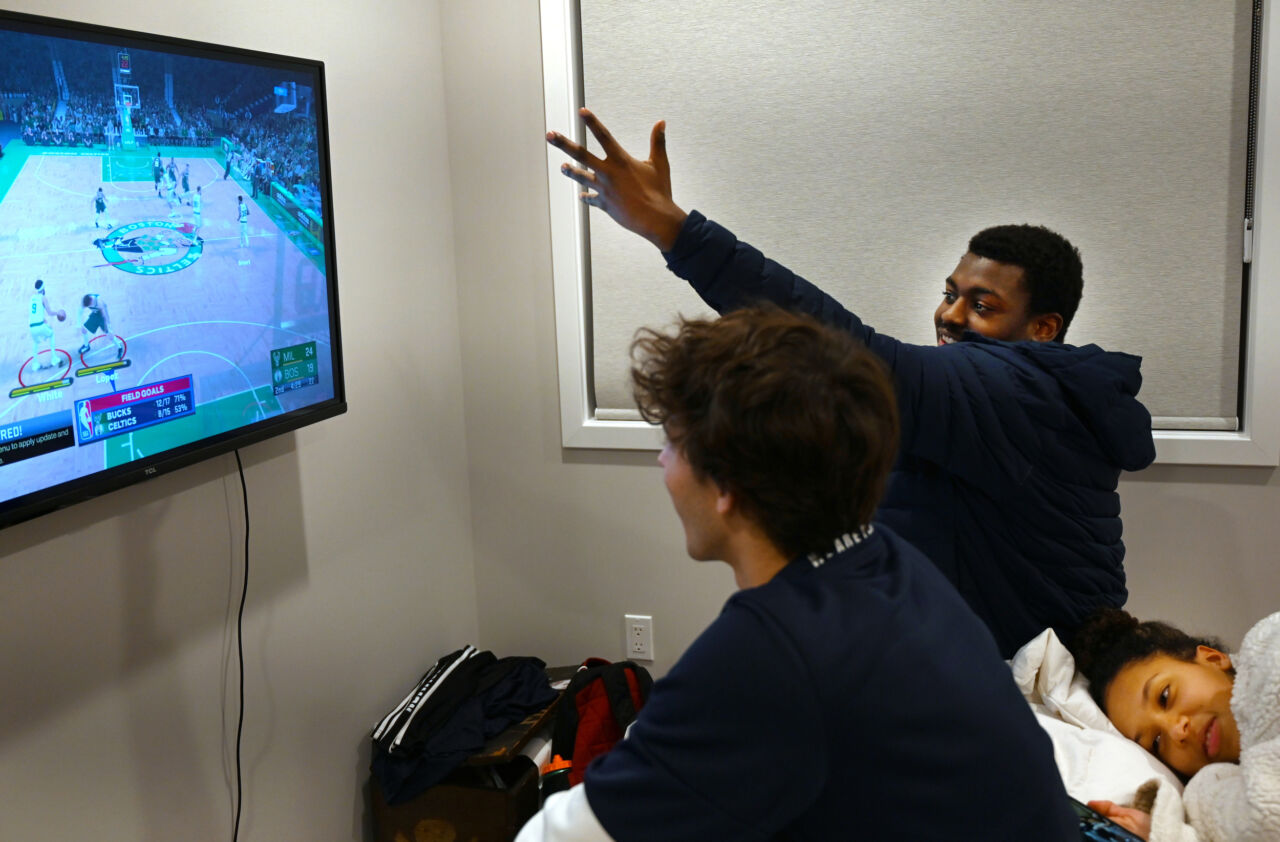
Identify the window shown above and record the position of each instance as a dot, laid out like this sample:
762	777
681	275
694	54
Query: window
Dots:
862	144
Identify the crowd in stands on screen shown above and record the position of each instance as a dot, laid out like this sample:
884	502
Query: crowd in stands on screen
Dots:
268	147
204	107
88	119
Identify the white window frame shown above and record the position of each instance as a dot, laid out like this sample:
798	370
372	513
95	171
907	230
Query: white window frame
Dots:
1257	443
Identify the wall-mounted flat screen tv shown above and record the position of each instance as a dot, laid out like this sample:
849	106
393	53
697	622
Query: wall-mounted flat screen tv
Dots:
166	256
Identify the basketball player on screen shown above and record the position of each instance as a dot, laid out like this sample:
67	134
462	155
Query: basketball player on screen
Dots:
99	210
95	318
171	191
41	330
244	222
197	213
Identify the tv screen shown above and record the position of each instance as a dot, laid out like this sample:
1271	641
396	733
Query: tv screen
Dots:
166	255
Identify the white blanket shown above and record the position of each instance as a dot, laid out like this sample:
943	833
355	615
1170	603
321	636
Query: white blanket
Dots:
1095	760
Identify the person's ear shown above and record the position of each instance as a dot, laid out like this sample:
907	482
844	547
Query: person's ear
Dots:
1211	657
1045	327
725	501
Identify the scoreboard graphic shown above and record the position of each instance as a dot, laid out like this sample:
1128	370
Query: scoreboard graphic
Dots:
130	410
294	367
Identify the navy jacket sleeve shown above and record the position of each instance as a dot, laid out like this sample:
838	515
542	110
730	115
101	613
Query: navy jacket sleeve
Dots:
957	412
736	700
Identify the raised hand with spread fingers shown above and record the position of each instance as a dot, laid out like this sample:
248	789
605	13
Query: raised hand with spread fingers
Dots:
635	193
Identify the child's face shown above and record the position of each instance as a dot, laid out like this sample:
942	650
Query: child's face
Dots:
1180	711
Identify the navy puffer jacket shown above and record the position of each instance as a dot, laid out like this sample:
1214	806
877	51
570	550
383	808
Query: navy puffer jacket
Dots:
1010	456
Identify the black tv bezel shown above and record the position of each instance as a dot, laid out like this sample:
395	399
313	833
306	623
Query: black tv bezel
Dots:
53	498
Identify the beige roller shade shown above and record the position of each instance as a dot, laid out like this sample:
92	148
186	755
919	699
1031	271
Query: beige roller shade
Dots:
862	143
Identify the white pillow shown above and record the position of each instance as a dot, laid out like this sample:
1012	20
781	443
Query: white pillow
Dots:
1094	759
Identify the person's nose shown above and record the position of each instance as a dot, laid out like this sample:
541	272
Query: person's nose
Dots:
1181	728
954	313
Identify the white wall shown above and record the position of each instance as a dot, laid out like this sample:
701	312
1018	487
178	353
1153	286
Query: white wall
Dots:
566	541
116	713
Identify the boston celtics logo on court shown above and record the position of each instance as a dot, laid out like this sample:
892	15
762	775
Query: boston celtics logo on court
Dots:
152	247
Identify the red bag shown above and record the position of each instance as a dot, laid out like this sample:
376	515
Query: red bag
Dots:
602	699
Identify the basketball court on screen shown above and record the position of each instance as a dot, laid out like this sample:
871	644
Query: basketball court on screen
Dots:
184	297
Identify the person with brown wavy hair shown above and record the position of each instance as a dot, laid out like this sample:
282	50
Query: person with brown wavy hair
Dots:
795	421
845	690
1209	717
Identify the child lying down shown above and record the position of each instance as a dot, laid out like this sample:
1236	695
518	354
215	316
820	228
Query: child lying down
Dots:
1211	718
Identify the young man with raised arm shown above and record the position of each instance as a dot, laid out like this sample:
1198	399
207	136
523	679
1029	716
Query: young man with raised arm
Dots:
1012	441
845	691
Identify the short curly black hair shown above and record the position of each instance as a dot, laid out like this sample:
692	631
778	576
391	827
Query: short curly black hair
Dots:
797	419
1110	639
1051	266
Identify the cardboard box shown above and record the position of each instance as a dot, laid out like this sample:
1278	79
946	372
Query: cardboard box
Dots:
474	804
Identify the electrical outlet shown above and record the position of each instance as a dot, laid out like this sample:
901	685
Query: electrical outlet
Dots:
639	636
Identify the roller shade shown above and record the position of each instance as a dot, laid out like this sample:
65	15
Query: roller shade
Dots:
861	144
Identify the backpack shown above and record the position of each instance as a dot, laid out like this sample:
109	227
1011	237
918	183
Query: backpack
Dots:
602	699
